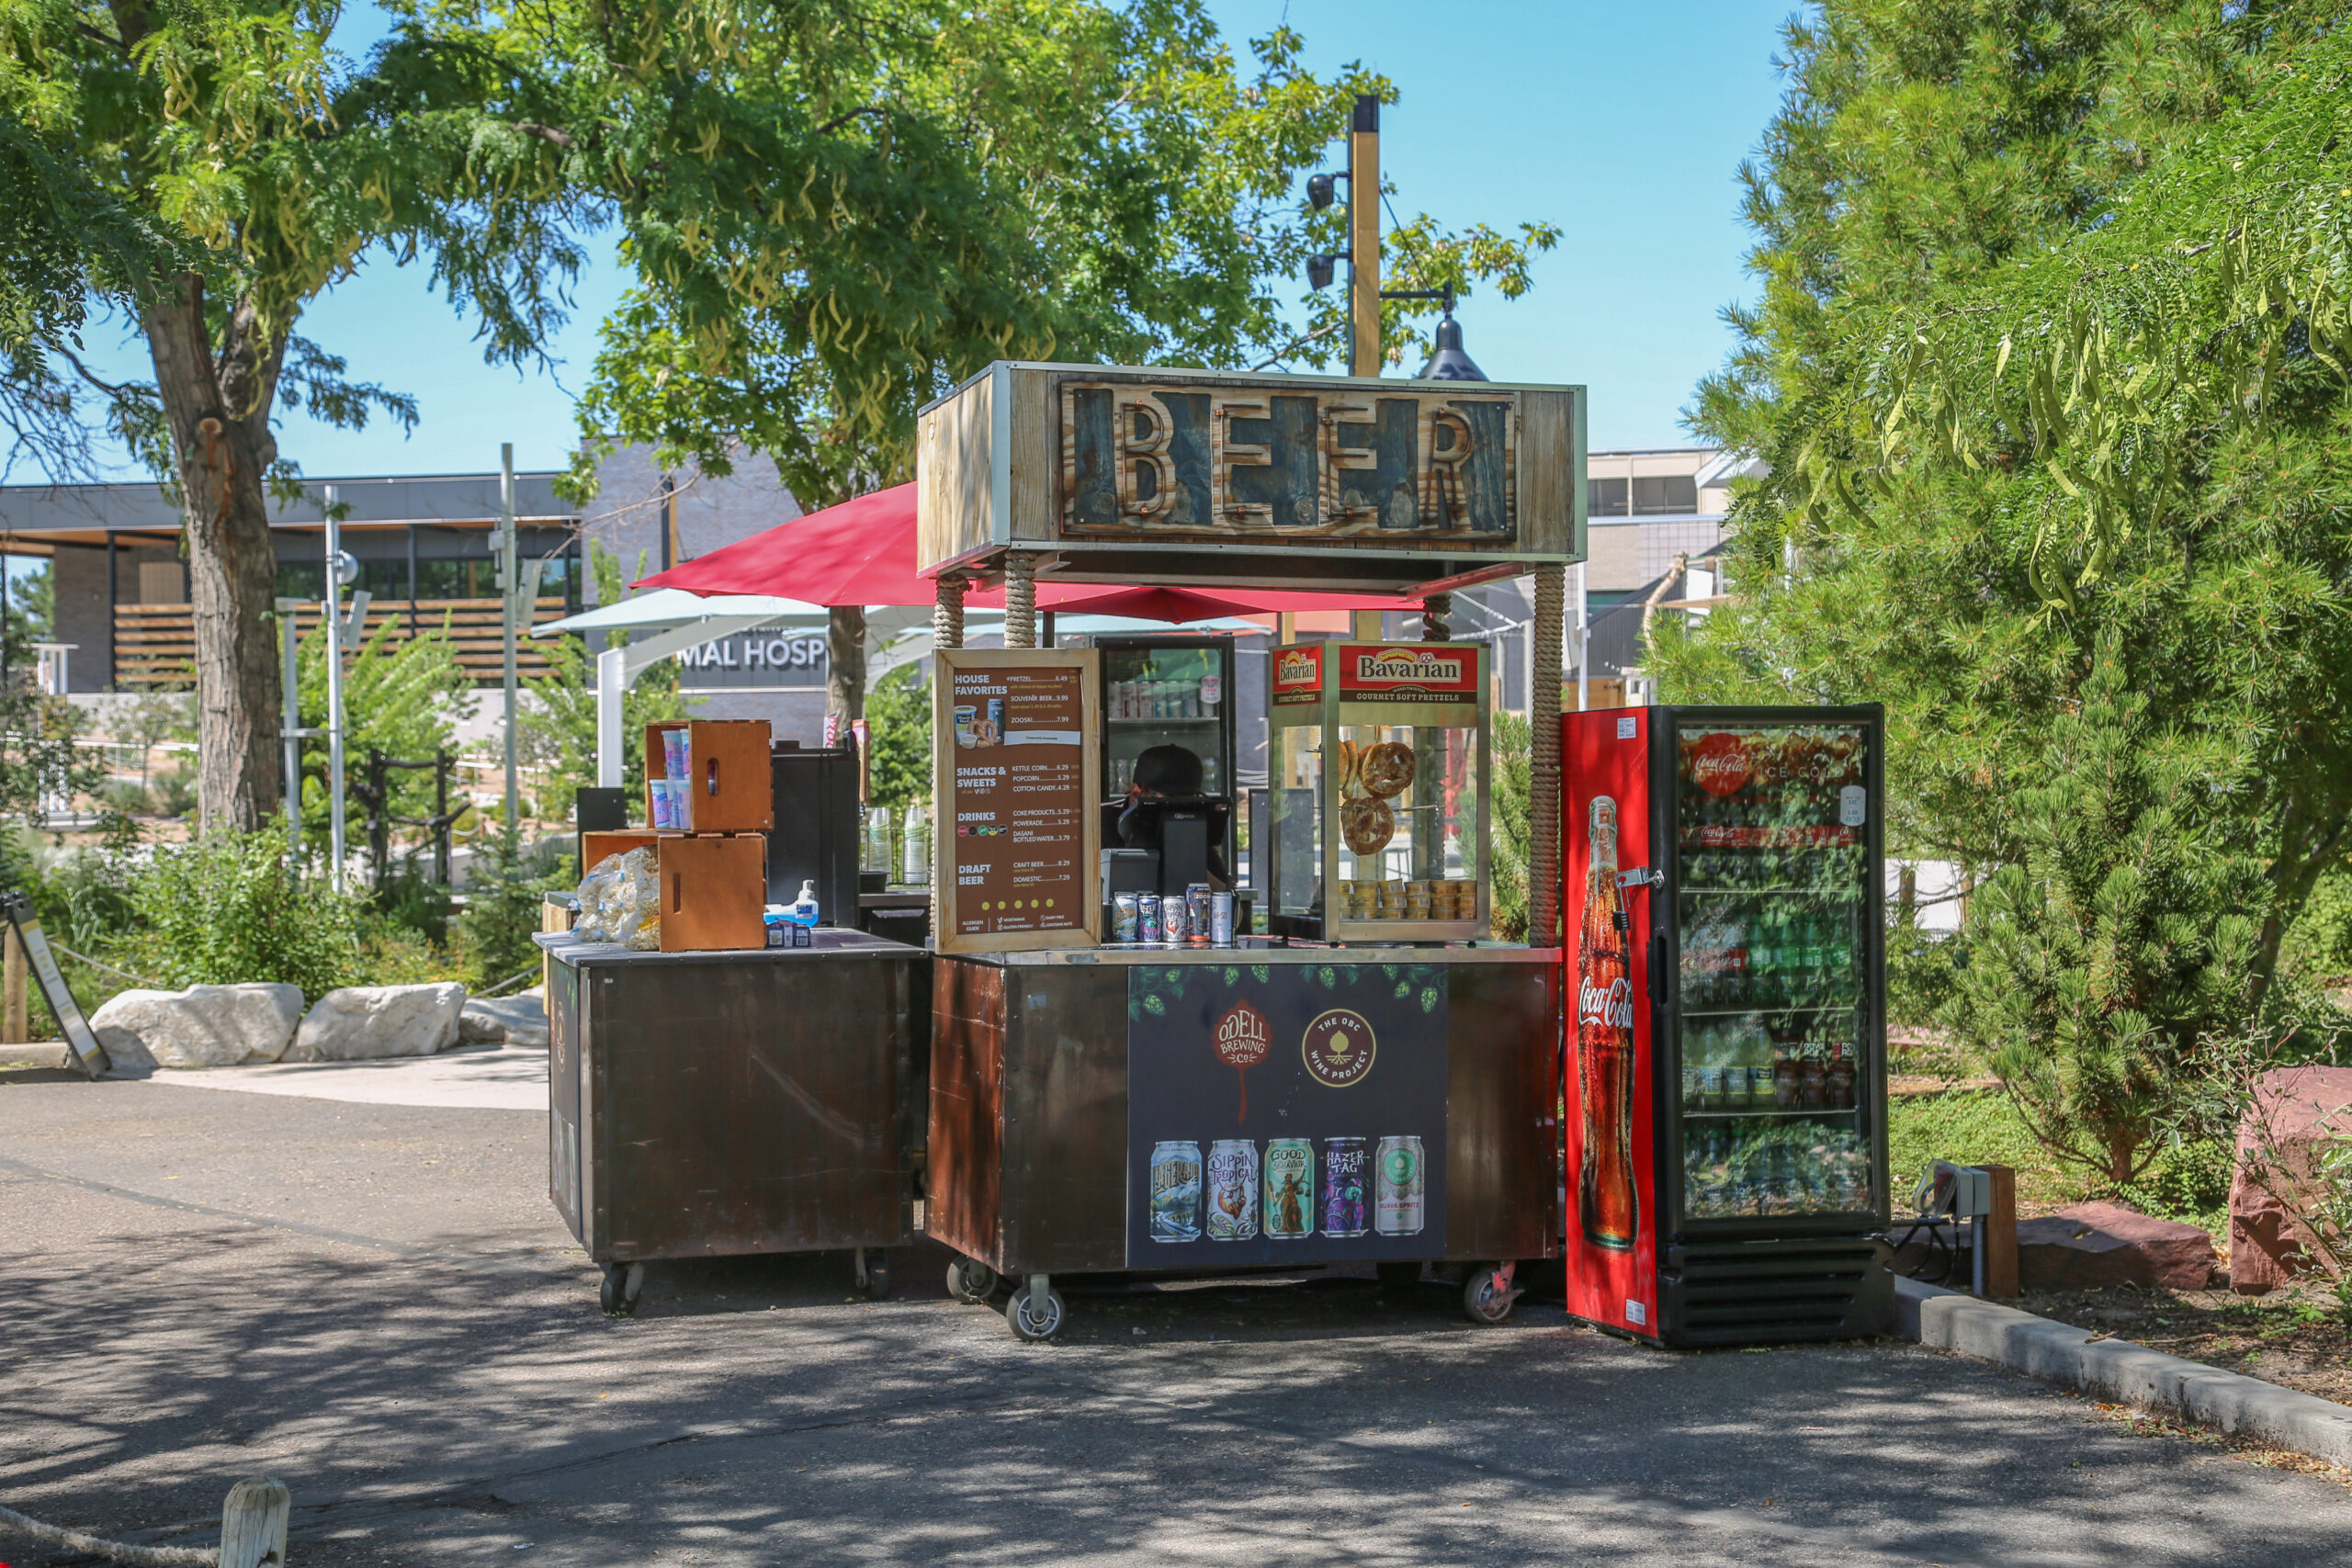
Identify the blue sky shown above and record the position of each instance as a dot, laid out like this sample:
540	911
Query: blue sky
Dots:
1623	124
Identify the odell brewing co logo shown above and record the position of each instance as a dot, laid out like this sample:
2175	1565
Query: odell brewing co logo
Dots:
1297	667
1339	1048
1719	763
1242	1036
1417	665
1611	1006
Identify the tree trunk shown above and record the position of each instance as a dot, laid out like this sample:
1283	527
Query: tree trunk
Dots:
845	662
218	411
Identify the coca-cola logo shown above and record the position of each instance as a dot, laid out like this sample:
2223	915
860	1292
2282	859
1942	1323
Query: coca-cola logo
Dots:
1719	763
1610	1007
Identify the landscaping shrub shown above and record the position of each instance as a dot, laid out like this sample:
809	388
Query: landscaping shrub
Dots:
228	907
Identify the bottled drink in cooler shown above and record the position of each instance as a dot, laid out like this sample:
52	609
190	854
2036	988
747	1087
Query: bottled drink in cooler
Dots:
1606	1203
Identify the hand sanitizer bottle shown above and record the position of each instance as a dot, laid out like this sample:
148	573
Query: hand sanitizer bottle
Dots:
804	909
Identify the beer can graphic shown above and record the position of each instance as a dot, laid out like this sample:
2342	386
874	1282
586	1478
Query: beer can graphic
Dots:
1343	1187
1124	915
1399	1186
1148	916
1233	1189
1175	1191
1290	1189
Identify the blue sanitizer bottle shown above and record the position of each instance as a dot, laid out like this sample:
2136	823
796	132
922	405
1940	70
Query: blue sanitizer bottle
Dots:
804	909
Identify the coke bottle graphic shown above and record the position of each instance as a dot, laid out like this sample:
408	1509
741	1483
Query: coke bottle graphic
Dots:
1605	1197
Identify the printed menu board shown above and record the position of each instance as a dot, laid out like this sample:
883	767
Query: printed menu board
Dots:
1014	749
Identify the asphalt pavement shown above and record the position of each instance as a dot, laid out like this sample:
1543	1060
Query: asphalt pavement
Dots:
375	1303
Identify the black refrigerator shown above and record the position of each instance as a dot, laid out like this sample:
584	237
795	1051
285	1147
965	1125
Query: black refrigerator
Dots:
1725	1127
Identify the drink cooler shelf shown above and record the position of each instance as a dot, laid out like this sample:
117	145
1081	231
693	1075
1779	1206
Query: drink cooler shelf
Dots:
1777	1111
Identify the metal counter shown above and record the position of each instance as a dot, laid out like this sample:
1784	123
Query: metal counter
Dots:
1029	1142
702	1104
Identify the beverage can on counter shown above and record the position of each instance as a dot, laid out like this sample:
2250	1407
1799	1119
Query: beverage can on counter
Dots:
1221	920
1175	1191
1146	917
1124	917
1196	913
1171	918
1343	1187
1399	1185
1289	1188
1233	1189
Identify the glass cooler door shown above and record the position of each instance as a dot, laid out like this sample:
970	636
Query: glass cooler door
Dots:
1176	693
1773	897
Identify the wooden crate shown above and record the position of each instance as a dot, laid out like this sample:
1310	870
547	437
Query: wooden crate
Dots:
734	788
714	892
596	848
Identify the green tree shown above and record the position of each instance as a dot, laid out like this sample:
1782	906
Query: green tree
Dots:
1128	193
1973	511
1514	779
2117	937
556	728
403	696
898	729
492	935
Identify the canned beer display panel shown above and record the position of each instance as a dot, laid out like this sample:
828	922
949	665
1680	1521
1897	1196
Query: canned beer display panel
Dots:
1285	1113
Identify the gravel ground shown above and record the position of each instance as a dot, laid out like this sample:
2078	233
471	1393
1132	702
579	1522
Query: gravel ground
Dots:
375	1304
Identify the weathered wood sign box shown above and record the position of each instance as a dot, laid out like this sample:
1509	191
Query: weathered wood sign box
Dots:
1121	475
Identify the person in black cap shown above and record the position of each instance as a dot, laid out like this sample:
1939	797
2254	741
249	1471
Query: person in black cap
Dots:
1163	773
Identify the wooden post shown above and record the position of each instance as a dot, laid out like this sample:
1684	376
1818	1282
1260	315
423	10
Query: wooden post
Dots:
1543	761
16	1016
1363	236
1367	625
252	1524
946	631
2000	1233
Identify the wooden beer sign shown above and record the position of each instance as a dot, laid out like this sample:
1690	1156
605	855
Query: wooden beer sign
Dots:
1113	474
1140	459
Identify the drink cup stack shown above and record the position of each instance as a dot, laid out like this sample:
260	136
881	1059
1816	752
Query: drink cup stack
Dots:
710	797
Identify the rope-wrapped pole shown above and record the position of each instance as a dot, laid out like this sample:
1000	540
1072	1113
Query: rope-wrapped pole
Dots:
1543	761
1020	599
1437	618
947	611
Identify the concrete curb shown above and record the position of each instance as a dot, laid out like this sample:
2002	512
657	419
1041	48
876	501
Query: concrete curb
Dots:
41	1053
2124	1371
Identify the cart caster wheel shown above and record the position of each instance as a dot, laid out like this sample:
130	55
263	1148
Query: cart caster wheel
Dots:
1035	1316
1398	1279
970	1281
622	1283
877	1279
1488	1294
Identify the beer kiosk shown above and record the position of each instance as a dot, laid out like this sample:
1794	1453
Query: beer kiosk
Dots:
1375	1080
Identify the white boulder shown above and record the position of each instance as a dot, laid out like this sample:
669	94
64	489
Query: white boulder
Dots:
510	1020
363	1023
204	1026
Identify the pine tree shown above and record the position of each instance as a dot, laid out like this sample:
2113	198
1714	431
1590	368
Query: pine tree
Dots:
2104	950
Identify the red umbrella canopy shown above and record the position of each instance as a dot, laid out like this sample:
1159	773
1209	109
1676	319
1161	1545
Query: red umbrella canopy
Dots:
863	552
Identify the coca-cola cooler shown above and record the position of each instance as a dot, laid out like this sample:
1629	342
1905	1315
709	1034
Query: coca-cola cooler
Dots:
1726	1084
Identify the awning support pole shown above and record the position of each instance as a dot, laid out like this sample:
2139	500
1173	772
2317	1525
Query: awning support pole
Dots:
612	680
